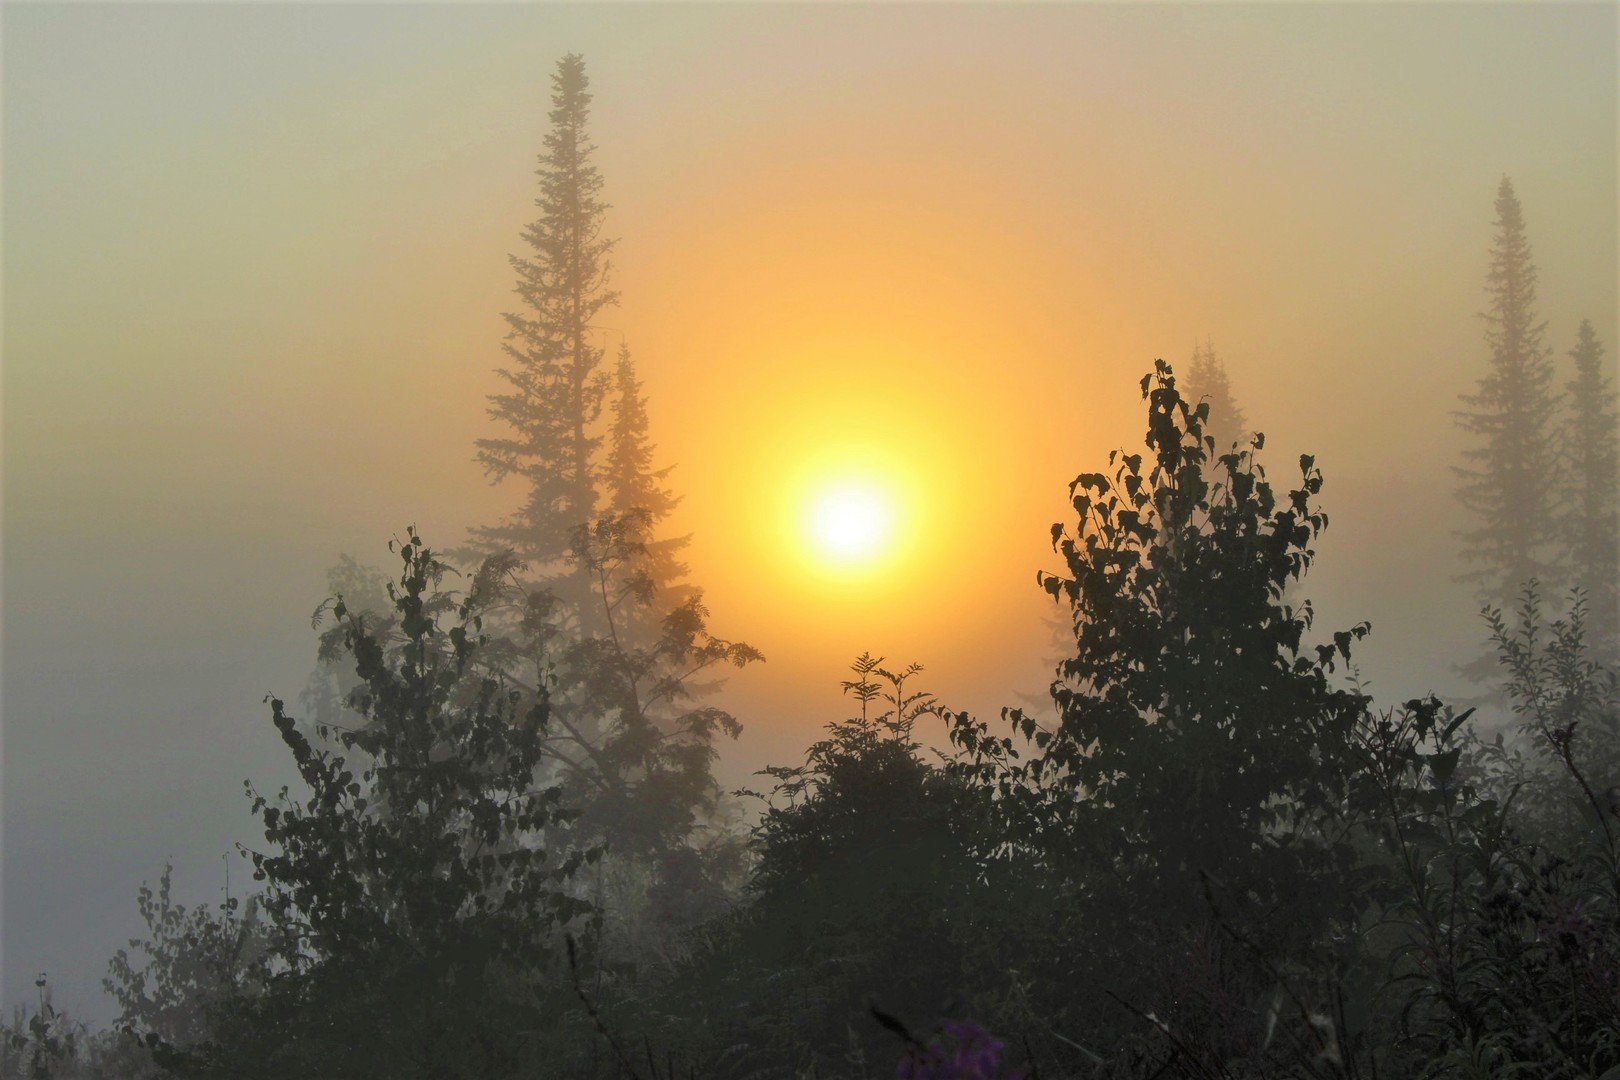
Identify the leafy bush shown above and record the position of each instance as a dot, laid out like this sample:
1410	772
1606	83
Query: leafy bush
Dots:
863	891
412	891
1505	898
1189	793
193	962
43	1043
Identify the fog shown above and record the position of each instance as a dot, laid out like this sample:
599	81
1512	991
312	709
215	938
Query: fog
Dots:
256	260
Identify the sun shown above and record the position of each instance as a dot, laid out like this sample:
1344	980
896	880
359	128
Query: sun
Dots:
851	522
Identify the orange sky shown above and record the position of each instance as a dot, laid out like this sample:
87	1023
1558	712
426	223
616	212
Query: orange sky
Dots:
255	258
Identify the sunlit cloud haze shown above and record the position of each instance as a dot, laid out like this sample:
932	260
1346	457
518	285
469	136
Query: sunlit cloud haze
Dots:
255	259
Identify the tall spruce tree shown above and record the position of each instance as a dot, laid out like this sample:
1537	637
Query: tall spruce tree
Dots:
1592	430
593	615
556	390
1507	481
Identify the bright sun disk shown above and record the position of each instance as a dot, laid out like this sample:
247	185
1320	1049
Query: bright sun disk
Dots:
850	522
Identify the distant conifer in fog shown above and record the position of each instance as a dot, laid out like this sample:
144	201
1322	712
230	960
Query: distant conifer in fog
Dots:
596	610
577	433
1507	480
1207	381
1593	509
637	487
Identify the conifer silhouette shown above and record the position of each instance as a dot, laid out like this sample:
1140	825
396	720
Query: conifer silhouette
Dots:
1591	433
1507	479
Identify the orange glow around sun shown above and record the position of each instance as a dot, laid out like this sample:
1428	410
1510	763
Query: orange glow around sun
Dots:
854	438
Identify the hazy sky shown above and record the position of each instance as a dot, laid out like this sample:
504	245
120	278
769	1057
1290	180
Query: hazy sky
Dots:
255	259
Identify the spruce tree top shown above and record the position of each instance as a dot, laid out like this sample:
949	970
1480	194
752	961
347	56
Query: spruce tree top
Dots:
556	389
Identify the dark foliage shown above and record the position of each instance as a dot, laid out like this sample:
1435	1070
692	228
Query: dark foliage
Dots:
1196	770
193	962
1504	957
863	891
43	1043
409	890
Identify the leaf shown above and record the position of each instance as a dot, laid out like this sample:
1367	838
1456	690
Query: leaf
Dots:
1445	764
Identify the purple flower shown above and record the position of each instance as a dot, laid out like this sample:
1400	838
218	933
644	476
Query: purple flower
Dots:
965	1051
